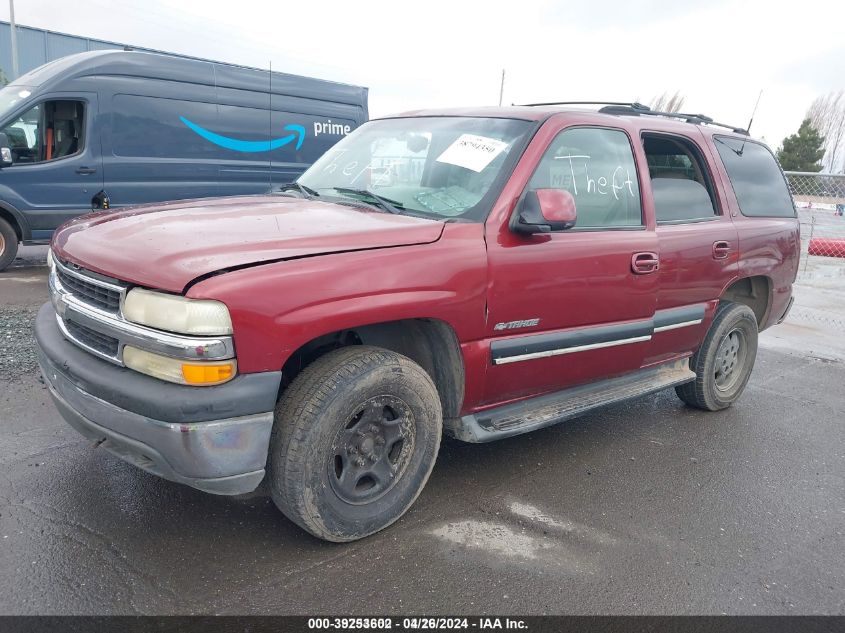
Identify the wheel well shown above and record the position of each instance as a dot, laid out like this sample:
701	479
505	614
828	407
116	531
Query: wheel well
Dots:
430	343
755	292
11	219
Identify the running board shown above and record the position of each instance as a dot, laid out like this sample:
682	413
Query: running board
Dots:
542	411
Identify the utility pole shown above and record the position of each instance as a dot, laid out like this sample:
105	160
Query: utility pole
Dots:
14	39
501	87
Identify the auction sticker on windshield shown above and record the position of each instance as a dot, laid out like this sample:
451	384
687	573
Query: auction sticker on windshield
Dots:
472	152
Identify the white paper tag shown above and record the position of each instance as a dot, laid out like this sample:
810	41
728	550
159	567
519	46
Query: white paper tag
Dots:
472	152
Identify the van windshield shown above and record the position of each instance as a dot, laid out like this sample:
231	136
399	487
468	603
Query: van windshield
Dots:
11	96
433	166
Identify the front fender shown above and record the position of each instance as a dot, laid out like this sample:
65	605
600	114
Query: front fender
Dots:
14	212
277	308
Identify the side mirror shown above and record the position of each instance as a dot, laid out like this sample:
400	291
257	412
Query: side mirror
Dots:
544	211
5	151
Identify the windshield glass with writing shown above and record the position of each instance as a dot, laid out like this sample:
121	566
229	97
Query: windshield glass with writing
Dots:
435	166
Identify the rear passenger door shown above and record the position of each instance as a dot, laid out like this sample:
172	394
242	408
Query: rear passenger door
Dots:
568	307
696	237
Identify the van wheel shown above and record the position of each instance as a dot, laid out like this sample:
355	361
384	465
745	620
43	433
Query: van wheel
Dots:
354	441
724	361
8	244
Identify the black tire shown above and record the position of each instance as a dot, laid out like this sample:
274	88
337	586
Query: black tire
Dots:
721	374
336	467
8	244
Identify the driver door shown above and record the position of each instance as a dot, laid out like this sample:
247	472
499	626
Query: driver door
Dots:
57	167
572	307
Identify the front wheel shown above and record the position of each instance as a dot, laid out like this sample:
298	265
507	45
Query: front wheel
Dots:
354	441
724	361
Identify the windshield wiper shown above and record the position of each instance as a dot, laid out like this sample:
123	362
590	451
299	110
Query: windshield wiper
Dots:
307	192
391	206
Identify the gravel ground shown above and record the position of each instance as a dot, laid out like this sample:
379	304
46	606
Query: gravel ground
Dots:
23	288
17	342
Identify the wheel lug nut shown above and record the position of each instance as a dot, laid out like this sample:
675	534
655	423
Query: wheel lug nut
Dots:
373	458
380	441
360	462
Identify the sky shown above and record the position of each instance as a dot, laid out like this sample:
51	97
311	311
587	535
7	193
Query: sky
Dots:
719	54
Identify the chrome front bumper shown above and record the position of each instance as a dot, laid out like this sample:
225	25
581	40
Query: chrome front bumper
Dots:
215	439
224	457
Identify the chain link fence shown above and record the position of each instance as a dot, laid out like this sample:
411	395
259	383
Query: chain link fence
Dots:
820	201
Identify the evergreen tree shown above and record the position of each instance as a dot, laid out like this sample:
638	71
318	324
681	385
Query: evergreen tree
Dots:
802	151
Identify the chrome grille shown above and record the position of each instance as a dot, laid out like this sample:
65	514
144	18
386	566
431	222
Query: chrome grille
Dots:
89	312
89	292
92	339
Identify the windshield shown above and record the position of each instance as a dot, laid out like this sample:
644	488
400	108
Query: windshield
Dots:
434	166
11	96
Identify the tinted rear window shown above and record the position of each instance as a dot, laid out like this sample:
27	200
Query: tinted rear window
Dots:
756	178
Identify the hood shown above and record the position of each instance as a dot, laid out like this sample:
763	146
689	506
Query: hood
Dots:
169	245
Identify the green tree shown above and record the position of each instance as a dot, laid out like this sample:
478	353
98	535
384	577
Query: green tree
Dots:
802	151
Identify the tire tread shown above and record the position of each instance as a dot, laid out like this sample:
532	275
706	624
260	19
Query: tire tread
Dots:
297	412
696	393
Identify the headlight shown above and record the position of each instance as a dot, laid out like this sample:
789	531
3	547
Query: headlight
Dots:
180	371
173	313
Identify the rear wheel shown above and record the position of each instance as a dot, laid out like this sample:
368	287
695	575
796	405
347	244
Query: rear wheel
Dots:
8	244
355	439
724	361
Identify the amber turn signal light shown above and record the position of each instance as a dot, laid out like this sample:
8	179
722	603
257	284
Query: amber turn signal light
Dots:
208	374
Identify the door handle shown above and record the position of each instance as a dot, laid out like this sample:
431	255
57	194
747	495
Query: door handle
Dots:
86	171
721	249
644	263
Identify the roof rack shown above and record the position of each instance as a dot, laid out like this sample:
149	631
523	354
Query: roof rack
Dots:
637	109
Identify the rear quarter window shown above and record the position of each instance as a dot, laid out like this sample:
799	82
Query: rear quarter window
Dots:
756	178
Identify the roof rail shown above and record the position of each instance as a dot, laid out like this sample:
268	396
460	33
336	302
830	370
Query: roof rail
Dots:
637	109
609	103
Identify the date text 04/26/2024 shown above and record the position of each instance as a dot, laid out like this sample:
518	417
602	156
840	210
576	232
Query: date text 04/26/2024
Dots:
416	623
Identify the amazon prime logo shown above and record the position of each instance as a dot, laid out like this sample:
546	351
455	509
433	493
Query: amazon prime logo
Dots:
240	145
327	127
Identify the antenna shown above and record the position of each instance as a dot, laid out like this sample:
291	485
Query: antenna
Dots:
502	87
748	129
270	127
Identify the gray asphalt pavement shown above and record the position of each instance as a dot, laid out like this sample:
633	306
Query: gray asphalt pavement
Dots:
643	508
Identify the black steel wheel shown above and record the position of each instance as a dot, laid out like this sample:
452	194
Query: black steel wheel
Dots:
372	450
355	439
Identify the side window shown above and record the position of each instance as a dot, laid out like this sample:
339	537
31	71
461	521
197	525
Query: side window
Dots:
680	182
596	166
47	131
756	178
24	136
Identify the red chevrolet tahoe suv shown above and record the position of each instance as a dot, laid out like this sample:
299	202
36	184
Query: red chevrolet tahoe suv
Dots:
480	272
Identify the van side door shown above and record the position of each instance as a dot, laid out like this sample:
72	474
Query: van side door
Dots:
151	154
57	164
575	306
